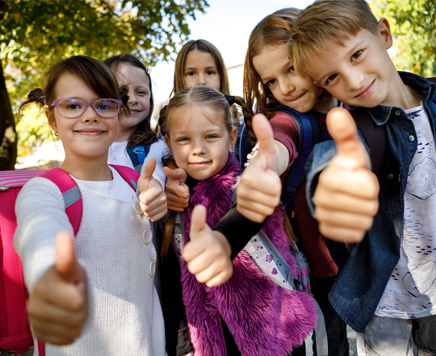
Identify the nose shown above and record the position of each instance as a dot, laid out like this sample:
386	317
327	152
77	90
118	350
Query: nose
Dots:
354	80
132	98
90	115
286	87
201	79
199	148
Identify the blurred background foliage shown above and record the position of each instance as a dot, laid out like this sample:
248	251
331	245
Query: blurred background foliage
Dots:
36	34
413	25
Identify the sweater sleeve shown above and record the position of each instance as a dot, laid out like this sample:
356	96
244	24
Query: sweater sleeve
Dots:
237	229
40	215
157	150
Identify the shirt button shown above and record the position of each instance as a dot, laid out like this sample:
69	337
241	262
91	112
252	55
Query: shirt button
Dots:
390	176
397	112
147	235
137	208
411	138
152	268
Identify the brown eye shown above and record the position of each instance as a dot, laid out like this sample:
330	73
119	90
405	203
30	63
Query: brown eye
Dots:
356	55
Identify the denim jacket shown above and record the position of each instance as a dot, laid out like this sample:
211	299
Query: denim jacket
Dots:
362	281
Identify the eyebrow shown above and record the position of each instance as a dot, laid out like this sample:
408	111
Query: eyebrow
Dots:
215	129
191	68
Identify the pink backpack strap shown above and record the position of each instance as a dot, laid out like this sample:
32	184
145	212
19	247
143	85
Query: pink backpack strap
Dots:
128	174
41	348
71	194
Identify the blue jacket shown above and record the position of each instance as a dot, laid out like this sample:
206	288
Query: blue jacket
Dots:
362	281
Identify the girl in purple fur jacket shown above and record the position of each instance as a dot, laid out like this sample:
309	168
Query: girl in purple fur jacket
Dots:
249	314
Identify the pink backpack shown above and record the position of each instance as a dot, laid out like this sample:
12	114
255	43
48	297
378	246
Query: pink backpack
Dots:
15	334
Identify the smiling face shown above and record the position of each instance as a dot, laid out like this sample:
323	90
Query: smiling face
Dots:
277	73
360	73
88	135
199	141
138	84
200	69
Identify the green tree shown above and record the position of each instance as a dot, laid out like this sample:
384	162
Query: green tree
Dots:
413	25
36	34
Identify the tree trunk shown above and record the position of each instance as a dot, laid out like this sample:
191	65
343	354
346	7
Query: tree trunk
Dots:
8	135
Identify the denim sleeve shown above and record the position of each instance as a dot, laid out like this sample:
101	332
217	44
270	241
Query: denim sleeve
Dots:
319	158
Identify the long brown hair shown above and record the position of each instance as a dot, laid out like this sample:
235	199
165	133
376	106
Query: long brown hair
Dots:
207	97
273	30
143	134
95	74
202	46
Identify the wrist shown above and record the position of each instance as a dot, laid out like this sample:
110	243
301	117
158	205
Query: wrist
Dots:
225	244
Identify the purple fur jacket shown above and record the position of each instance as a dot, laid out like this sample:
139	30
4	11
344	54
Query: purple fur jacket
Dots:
263	318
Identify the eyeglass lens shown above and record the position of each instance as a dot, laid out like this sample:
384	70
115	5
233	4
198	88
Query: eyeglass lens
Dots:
73	107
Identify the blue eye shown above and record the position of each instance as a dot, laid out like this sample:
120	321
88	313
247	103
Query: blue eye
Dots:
211	136
103	107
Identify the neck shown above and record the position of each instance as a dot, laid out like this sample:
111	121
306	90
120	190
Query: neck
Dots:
87	168
124	133
326	103
401	95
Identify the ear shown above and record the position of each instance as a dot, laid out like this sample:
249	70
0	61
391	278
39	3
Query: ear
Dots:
51	120
233	137
384	31
167	141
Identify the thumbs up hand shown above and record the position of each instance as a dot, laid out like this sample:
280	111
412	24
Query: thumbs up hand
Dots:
208	251
58	306
258	191
176	190
346	198
152	199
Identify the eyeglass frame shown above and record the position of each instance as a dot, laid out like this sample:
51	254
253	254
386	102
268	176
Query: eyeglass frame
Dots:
87	103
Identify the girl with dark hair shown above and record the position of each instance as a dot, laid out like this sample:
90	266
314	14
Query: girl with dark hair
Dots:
98	285
136	142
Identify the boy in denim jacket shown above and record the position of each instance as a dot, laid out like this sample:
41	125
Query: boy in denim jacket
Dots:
387	289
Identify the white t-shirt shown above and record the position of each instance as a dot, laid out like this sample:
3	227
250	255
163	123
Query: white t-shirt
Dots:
411	290
118	155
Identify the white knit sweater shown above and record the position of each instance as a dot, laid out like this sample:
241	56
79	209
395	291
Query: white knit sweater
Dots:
126	316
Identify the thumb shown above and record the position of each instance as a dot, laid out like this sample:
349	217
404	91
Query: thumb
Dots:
198	221
146	174
265	138
177	173
65	263
343	130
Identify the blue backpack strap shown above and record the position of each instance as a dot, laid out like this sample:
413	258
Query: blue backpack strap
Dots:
137	154
308	136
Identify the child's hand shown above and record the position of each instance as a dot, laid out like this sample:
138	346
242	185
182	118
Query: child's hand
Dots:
176	190
58	307
346	195
258	191
208	252
152	199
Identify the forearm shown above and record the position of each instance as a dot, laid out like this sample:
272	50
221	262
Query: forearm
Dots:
40	216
